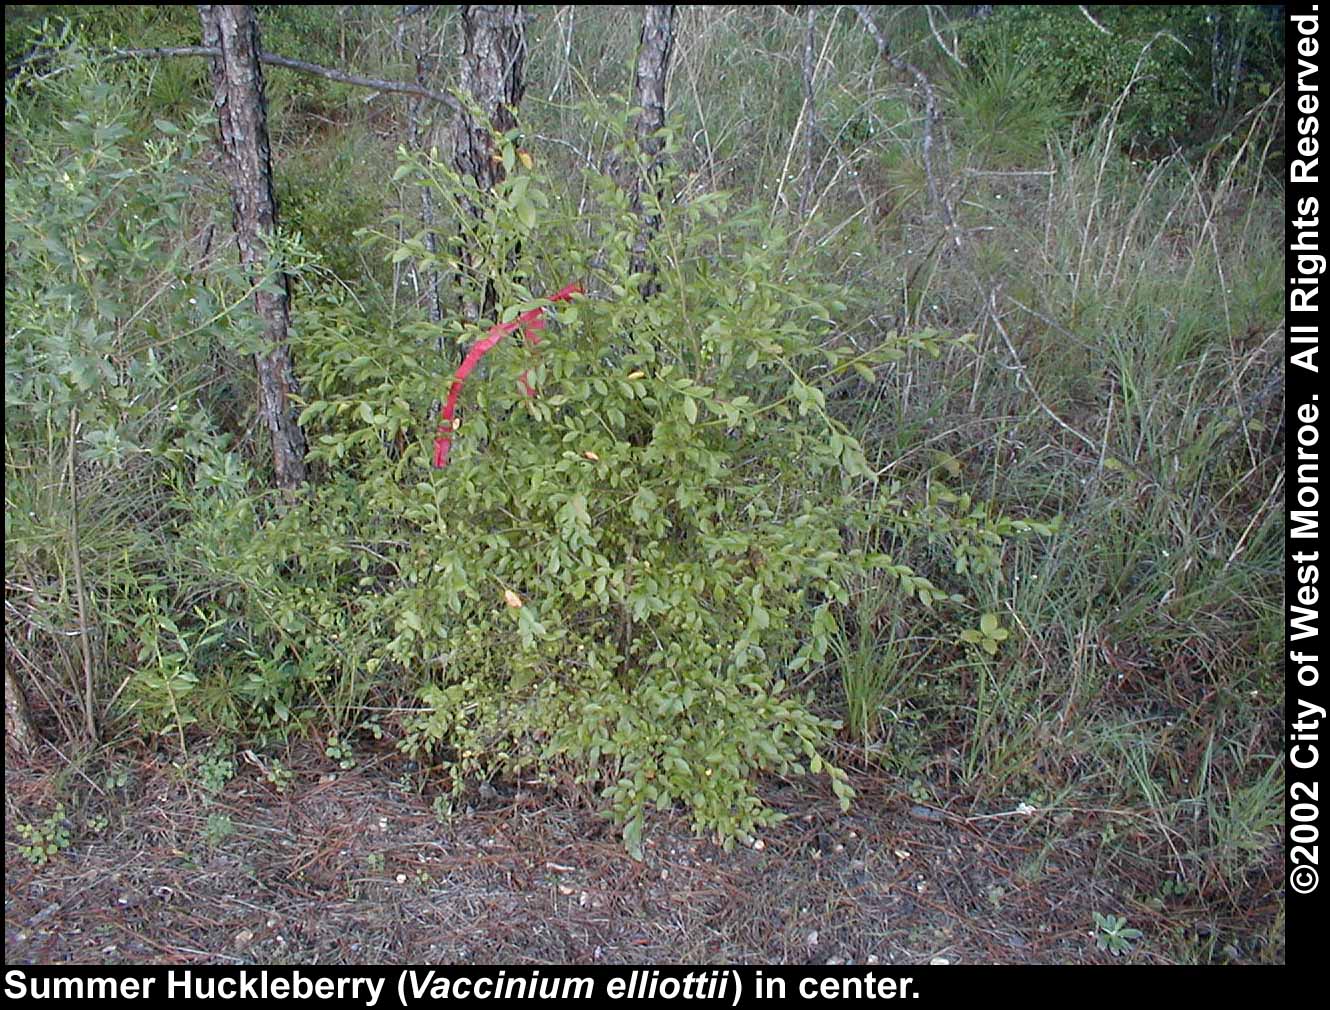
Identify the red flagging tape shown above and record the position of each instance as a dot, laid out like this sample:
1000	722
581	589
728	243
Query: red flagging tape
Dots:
531	323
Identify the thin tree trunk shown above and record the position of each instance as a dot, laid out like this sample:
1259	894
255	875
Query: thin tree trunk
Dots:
243	127
493	59
653	65
419	40
20	731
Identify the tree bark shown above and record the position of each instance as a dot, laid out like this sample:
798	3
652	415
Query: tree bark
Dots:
243	128
492	75
653	65
20	731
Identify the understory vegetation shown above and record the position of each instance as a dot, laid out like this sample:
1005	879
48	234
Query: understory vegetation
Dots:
963	471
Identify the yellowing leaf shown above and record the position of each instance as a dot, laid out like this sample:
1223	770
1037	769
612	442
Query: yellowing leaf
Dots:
636	375
527	161
512	599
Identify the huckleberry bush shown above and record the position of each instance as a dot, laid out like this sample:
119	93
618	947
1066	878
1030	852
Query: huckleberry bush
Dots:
613	580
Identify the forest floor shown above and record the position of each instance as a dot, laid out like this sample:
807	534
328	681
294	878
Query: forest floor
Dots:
356	867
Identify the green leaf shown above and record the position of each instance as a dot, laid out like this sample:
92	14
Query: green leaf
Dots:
526	213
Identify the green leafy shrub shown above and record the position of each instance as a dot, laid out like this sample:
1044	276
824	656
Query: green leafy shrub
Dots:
611	583
171	88
109	321
330	194
1170	66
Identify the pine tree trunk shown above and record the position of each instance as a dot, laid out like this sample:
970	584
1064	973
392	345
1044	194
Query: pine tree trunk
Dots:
20	731
242	117
492	76
653	64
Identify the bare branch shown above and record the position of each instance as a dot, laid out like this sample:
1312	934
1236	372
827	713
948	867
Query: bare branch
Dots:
300	66
954	51
1091	18
935	194
398	87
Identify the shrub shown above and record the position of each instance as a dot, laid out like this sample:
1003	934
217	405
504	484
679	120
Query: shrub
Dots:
1172	66
612	582
107	327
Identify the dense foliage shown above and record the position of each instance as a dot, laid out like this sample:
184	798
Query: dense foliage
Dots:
1170	68
616	578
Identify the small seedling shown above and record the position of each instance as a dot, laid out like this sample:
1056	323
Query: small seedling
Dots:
279	776
920	791
1176	888
340	751
373	727
988	636
216	769
219	829
1112	934
44	840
